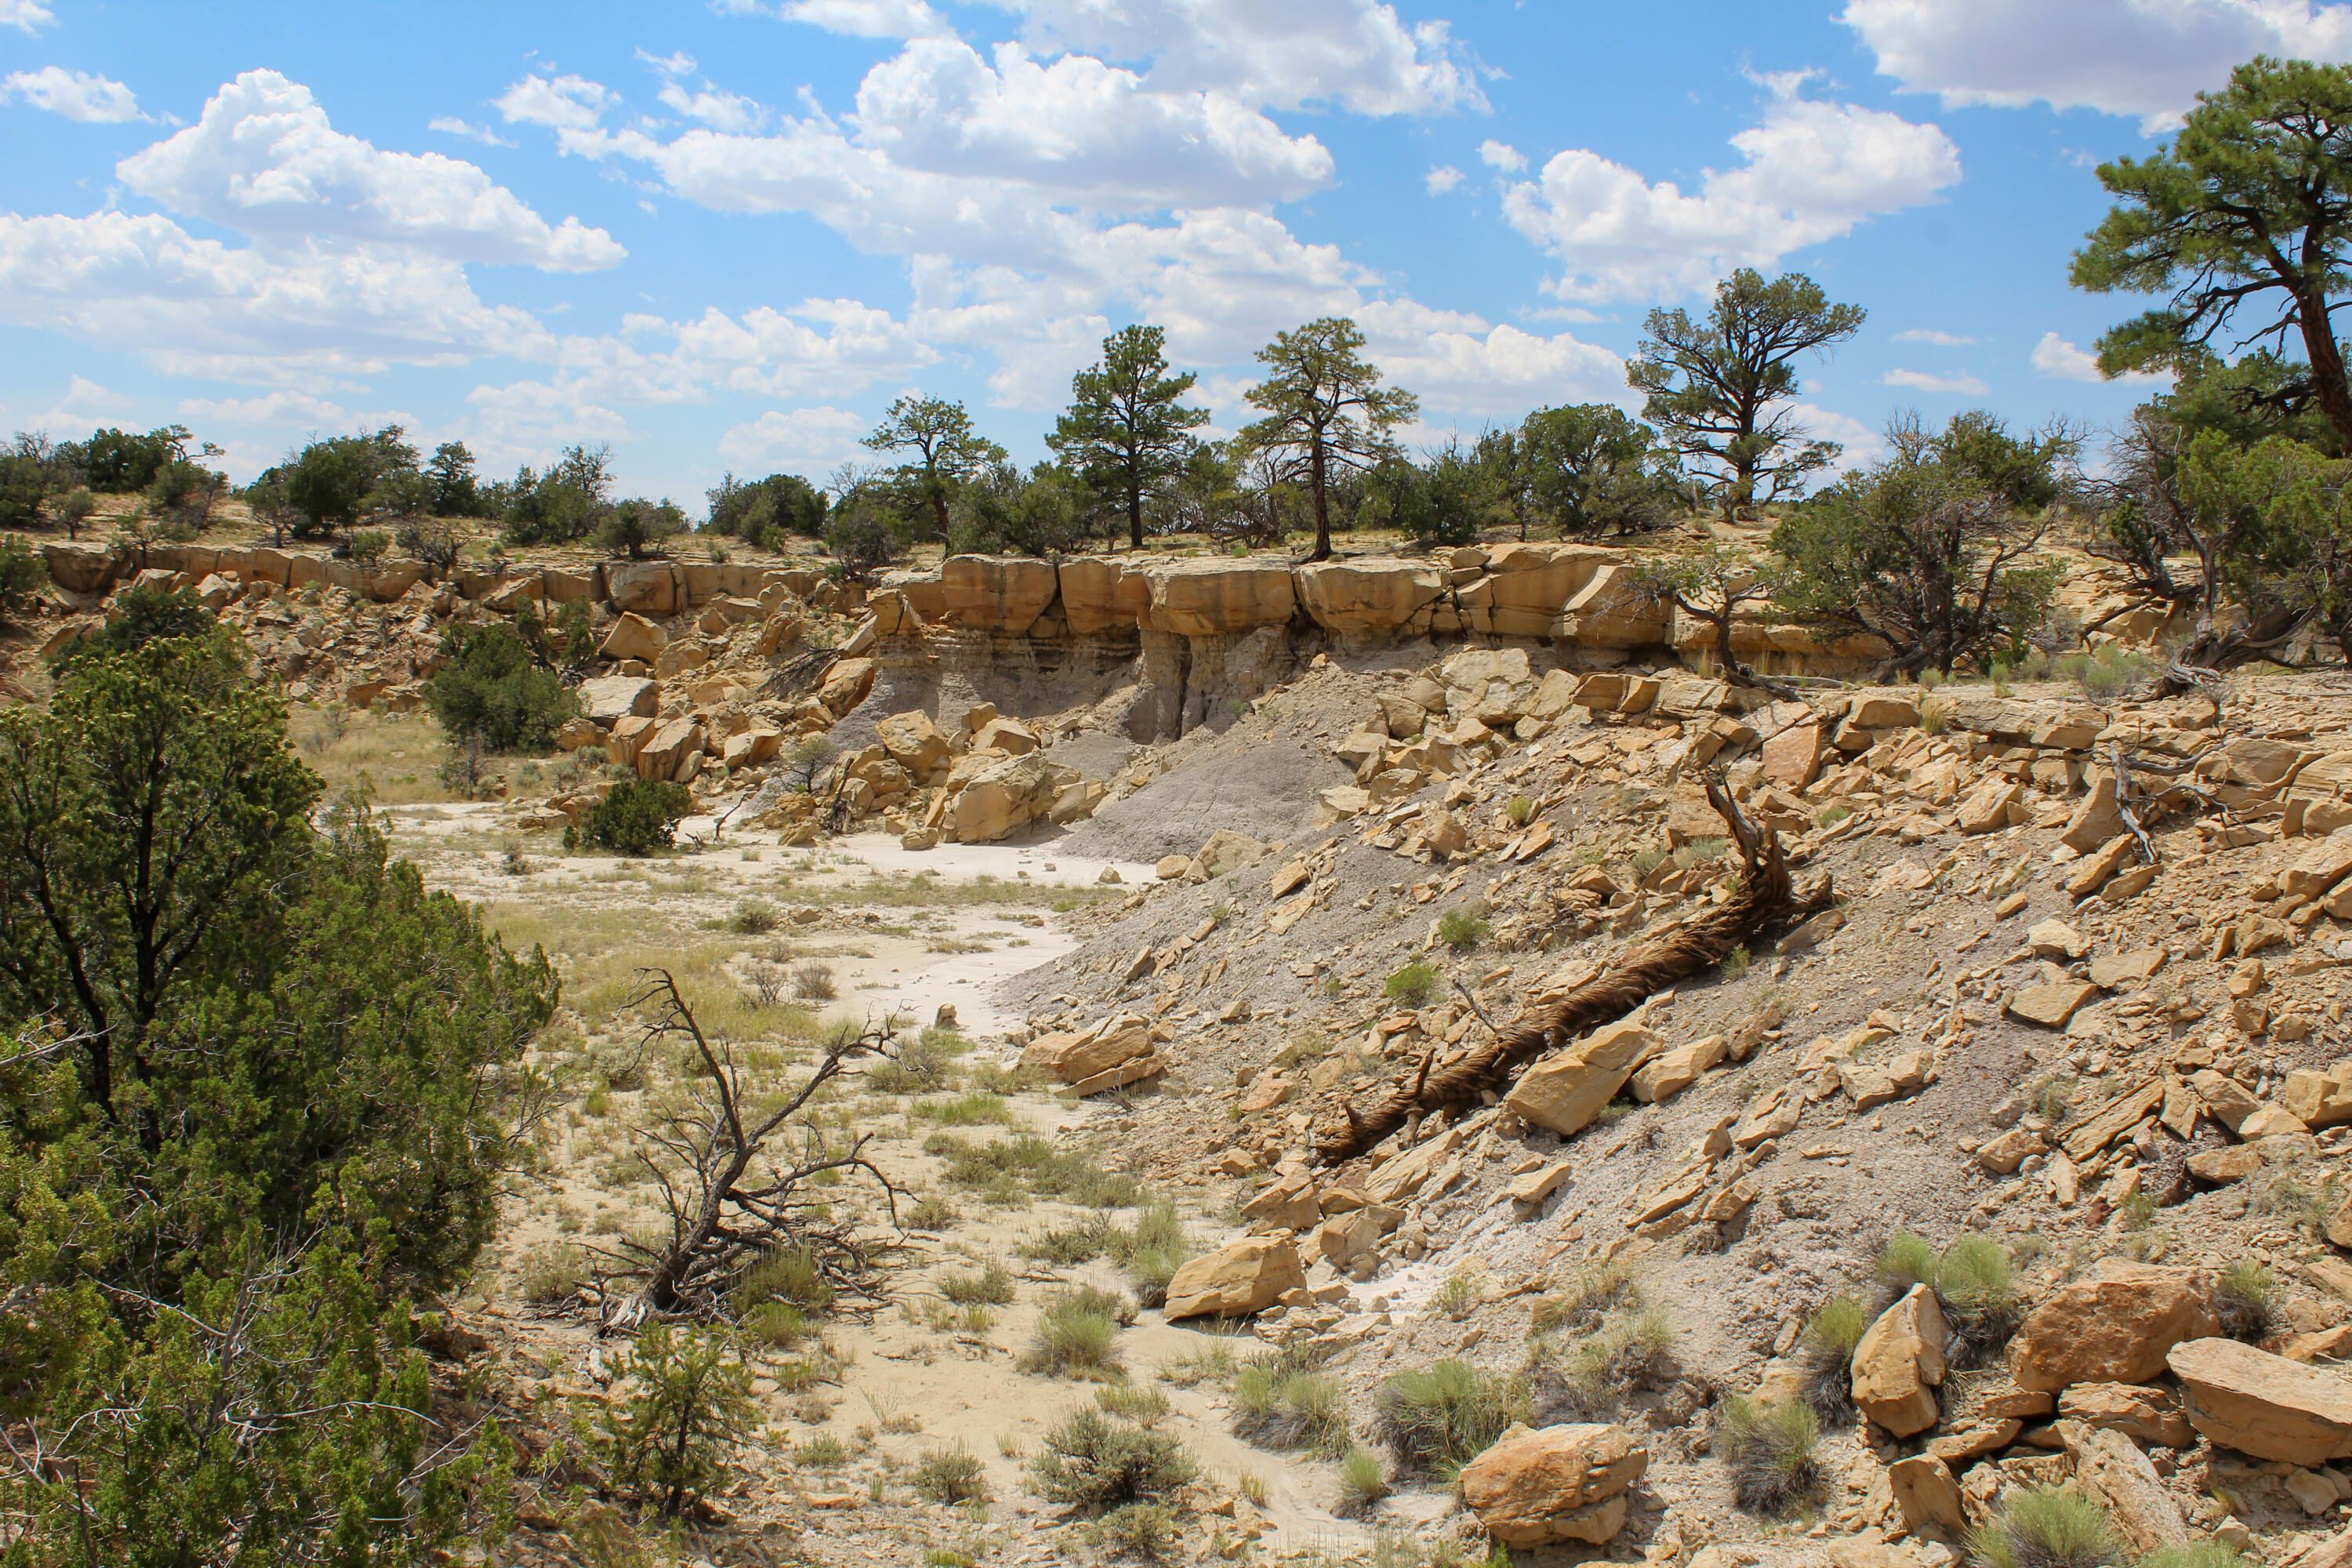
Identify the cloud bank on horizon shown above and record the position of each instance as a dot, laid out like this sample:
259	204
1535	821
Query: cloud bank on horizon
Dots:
738	233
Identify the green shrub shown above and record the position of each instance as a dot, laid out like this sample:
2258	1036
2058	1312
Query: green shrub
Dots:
2199	1555
1297	1410
1519	810
778	1324
1149	1273
638	817
22	573
1412	984
2245	1300
821	1453
950	1476
1362	1484
1147	1407
1769	1450
1145	1530
490	691
991	1287
753	917
690	1403
1441	1417
142	615
1461	930
1074	1334
1827	1359
2048	1527
933	1213
1975	1284
787	1274
551	1274
1093	1462
1593	1376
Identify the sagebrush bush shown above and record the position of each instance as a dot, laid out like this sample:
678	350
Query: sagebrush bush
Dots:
1075	1336
1296	1410
2048	1527
1441	1417
1094	1462
1412	984
1461	930
950	1476
1770	1451
2245	1300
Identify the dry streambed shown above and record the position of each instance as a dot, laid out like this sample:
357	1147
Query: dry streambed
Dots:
857	930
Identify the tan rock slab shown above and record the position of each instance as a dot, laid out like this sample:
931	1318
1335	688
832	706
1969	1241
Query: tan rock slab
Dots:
2052	1006
2115	1326
1898	1362
1555	1484
2113	972
2110	1468
1242	1277
2263	1404
2146	1412
2320	1098
1567	1090
1926	1492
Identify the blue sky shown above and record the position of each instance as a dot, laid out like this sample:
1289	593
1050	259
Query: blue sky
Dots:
725	236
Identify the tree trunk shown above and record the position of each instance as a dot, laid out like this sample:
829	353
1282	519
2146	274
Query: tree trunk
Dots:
1322	512
939	510
1134	516
2326	361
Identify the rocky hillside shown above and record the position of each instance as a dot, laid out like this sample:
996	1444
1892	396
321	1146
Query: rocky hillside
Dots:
1995	1170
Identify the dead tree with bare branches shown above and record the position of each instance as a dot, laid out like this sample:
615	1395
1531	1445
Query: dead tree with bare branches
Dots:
1765	894
737	1166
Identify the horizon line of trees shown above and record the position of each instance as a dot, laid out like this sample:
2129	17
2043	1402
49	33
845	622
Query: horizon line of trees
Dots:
2225	498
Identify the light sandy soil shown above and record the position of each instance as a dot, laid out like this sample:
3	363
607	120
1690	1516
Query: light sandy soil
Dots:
907	1388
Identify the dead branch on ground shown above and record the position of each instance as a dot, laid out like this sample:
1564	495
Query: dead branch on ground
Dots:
722	1217
1765	894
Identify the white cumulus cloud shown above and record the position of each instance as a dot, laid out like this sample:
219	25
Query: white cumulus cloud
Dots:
1929	335
562	103
450	125
2060	360
194	306
282	407
1501	155
26	15
719	110
864	19
1355	53
85	403
1814	171
263	160
1923	381
2143	58
1440	179
811	439
77	95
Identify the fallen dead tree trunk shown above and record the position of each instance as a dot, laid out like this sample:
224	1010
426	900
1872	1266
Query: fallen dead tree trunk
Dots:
1765	894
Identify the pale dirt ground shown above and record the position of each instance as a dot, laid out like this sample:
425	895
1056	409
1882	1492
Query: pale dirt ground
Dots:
958	1389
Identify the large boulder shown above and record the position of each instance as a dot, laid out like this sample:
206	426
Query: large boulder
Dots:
611	698
997	592
1495	684
634	637
2263	1404
846	685
80	568
1567	1090
645	587
1555	1484
667	753
1898	1362
1080	1056
1226	851
913	742
2110	1468
1527	585
1005	796
1242	1277
2319	1096
1367	595
2115	1327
